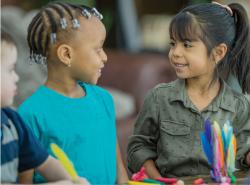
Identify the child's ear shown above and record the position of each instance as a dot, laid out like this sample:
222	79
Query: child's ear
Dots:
219	52
64	54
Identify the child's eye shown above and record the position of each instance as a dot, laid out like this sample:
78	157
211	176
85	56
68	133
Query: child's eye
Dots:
187	44
172	44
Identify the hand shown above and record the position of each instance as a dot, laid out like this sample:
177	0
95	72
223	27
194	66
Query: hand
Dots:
248	159
62	182
83	181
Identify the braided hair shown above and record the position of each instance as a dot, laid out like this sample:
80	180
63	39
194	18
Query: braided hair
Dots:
52	20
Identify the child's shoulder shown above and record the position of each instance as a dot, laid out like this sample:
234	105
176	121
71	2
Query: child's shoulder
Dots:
165	91
32	102
168	87
239	99
8	114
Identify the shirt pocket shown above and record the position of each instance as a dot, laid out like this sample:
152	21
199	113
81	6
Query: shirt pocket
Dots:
175	140
175	128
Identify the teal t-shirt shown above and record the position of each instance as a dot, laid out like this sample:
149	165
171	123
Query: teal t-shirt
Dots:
83	127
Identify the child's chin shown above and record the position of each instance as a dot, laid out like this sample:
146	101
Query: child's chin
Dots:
181	77
94	82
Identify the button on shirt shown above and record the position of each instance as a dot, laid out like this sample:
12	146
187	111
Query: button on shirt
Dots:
168	129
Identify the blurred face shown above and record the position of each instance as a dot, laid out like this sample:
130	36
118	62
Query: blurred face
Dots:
88	55
9	77
190	59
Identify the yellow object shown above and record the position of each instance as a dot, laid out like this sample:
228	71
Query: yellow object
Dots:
67	164
140	183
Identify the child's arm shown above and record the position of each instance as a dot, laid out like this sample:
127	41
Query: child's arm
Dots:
26	177
242	133
142	145
151	169
122	176
52	170
247	160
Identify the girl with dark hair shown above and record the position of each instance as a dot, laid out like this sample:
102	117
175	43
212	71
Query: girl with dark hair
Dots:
208	42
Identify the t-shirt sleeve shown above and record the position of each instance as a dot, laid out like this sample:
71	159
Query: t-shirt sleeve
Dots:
31	154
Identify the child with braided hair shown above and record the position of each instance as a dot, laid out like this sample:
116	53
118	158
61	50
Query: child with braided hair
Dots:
21	152
69	109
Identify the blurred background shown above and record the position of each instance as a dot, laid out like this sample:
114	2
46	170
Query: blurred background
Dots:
136	45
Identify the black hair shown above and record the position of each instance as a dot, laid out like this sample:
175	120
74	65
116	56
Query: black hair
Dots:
213	25
47	21
6	37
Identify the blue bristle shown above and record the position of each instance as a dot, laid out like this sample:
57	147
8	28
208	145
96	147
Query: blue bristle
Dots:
208	130
207	148
224	141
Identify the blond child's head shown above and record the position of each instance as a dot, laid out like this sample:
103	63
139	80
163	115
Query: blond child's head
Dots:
69	39
9	78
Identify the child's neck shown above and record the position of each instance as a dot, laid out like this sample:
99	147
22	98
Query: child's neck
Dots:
65	87
202	92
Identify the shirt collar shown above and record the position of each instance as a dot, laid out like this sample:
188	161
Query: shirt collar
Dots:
178	91
224	100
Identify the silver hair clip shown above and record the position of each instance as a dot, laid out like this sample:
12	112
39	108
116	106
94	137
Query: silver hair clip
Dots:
53	38
96	13
86	13
31	58
76	23
42	59
37	58
63	23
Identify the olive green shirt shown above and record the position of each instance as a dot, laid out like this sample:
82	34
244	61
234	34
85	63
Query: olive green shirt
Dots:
168	129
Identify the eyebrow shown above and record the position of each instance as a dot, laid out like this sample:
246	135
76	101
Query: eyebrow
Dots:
185	39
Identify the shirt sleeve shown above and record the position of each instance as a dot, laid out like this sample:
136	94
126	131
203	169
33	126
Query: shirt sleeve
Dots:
31	153
142	144
243	133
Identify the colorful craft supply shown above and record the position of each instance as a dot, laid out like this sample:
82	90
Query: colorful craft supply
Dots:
140	176
141	183
64	160
167	180
198	181
219	146
153	181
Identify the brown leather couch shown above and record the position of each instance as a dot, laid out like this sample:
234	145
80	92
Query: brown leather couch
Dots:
134	74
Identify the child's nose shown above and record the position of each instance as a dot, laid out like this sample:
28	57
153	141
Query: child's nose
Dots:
104	57
16	77
177	51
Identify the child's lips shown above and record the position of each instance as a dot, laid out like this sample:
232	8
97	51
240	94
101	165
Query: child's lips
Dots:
99	72
179	65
